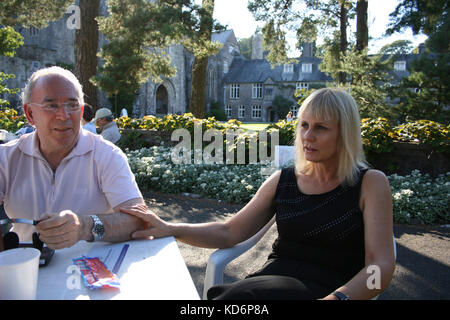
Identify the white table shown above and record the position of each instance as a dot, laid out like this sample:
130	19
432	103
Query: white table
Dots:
151	269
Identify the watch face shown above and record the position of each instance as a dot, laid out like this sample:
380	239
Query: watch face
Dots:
99	229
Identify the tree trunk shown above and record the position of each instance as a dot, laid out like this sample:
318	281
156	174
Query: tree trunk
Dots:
86	46
342	77
362	30
198	92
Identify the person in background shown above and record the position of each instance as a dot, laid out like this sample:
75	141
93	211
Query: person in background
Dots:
86	120
104	119
72	182
289	116
333	213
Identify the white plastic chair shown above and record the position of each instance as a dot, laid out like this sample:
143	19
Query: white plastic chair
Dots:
219	259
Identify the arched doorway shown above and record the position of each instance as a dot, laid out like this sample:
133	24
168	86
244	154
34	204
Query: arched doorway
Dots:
162	100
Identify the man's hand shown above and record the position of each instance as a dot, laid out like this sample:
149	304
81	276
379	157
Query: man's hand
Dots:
60	231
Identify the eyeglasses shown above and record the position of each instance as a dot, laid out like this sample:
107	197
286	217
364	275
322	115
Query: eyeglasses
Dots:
69	106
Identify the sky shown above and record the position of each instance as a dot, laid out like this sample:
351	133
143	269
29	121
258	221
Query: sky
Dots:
235	14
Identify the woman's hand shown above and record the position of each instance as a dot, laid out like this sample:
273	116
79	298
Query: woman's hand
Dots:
156	227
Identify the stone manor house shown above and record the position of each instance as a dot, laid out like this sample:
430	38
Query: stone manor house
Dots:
245	88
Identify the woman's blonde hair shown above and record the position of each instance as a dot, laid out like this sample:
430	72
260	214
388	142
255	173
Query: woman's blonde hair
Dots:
335	104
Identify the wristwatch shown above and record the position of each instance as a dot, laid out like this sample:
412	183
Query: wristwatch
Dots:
340	295
98	230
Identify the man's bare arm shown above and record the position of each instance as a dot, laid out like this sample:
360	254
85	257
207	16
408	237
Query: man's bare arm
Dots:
118	226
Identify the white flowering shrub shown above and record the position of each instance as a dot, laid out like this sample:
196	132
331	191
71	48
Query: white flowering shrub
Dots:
416	197
153	169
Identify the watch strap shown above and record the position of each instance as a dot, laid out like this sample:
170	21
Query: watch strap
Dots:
98	229
340	295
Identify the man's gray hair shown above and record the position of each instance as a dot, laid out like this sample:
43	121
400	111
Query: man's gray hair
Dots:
26	93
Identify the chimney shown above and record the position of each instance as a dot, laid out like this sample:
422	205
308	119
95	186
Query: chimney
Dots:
422	48
308	49
257	46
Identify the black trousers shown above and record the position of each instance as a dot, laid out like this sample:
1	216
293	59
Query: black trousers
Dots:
268	288
279	279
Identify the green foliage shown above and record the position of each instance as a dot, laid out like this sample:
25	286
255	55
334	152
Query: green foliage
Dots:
426	132
245	47
367	78
172	122
376	135
140	33
10	120
425	93
217	112
286	131
132	141
282	105
27	13
10	40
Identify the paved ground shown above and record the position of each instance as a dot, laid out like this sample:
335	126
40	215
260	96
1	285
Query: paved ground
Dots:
423	252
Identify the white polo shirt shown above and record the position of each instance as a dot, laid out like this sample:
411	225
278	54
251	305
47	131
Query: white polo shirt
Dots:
94	178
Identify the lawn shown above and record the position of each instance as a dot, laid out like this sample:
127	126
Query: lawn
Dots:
255	126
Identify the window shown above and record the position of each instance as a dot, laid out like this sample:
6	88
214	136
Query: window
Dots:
212	84
294	110
268	91
35	65
228	111
257	90
400	65
256	112
234	91
301	85
307	67
225	67
34	31
288	68
241	112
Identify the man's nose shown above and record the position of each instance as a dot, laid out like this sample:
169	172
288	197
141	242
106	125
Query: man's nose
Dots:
62	112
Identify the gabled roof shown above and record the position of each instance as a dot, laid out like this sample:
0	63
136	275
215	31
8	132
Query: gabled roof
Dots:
243	70
222	37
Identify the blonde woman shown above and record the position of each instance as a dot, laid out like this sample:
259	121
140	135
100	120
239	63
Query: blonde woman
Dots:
333	214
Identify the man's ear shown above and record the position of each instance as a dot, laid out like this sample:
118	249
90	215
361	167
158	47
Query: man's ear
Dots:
28	113
82	110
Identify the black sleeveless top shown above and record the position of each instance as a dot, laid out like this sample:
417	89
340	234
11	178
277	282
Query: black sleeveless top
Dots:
323	234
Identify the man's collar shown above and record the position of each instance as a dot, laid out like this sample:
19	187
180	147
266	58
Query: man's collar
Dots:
29	145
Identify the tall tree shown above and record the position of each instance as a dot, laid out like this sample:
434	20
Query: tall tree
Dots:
362	30
309	18
198	92
430	74
85	48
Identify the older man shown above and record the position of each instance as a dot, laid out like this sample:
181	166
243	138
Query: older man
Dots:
70	180
108	128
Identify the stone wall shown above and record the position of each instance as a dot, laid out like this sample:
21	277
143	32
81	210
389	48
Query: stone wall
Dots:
407	157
